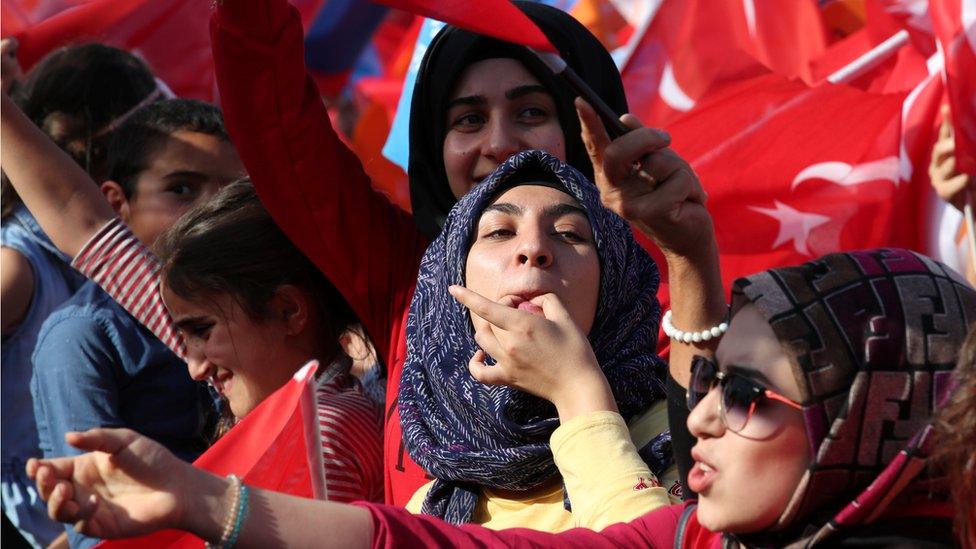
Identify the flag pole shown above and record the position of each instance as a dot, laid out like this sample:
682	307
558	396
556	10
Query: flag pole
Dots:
871	59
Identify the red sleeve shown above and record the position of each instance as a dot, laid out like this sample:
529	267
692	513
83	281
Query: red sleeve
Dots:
395	527
313	186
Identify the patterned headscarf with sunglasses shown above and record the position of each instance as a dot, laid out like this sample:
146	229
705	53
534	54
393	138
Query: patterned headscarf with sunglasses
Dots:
872	338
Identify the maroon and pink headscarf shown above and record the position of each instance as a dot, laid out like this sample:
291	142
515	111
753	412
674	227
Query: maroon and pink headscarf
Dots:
872	337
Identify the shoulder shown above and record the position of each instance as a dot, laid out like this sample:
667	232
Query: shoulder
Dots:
16	286
80	325
346	412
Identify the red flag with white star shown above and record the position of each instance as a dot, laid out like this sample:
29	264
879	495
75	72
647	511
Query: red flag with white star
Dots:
793	172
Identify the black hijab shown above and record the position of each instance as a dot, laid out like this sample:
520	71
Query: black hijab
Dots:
451	51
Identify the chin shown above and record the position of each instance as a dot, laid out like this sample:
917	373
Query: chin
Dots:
717	518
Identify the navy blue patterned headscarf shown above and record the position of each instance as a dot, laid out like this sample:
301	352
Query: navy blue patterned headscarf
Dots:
468	434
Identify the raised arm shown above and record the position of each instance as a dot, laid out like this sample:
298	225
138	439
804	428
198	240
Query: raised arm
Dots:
60	195
74	214
313	186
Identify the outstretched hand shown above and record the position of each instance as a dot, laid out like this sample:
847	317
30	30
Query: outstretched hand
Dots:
127	485
663	198
547	356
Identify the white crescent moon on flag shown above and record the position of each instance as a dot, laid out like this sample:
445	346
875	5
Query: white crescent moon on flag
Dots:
842	173
671	93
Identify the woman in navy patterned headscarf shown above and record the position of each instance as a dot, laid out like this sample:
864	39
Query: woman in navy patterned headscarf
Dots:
469	435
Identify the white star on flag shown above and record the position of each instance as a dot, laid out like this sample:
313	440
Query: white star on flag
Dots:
793	225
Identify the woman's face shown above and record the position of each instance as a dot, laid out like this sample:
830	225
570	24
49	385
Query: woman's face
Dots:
497	109
530	241
247	360
744	480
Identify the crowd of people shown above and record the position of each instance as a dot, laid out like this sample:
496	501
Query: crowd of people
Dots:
489	366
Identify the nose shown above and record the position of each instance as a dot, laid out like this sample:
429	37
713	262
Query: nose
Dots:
199	367
501	140
705	420
533	249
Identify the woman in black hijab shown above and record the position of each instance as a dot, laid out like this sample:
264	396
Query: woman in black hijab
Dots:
454	49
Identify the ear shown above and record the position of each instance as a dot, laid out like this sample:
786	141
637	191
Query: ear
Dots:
292	306
116	198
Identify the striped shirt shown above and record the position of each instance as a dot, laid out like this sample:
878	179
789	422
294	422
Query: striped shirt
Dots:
350	424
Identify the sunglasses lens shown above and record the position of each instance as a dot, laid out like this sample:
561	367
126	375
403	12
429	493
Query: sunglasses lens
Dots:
738	395
702	378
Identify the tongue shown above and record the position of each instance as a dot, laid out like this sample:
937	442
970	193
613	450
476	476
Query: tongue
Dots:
530	307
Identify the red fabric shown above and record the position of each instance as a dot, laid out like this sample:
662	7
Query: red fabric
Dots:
691	45
317	191
279	462
957	39
394	527
171	36
498	18
789	177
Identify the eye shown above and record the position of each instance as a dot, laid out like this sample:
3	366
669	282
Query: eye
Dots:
533	114
197	330
497	234
181	189
570	236
468	122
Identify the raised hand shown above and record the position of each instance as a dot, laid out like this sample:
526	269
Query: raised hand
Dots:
127	485
663	198
548	356
949	183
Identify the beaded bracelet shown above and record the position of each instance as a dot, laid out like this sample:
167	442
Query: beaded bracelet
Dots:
235	519
690	337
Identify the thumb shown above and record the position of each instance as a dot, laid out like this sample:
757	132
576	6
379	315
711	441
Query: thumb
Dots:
110	441
489	375
554	310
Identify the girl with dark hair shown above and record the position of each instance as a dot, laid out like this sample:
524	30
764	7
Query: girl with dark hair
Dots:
75	95
477	102
243	306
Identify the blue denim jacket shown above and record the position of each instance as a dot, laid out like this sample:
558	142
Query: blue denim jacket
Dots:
96	366
54	282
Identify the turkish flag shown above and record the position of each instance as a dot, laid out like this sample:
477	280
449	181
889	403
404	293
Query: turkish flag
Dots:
955	28
497	18
691	46
793	172
275	447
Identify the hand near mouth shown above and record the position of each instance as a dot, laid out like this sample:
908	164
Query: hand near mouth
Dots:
547	356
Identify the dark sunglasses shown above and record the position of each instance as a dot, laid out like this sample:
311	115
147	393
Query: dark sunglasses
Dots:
740	394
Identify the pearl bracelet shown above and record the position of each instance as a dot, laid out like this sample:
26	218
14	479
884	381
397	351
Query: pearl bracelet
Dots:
692	337
235	519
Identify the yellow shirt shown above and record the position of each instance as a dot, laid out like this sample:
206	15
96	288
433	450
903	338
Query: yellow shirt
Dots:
606	480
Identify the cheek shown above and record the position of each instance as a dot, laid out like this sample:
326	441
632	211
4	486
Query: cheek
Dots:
480	273
550	138
458	155
755	488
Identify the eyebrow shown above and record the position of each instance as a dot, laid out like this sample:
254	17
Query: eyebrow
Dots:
514	93
556	210
185	174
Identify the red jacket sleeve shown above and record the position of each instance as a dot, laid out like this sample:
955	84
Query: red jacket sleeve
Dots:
394	527
313	186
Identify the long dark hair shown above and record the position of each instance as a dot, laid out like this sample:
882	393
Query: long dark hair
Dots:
73	95
231	245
